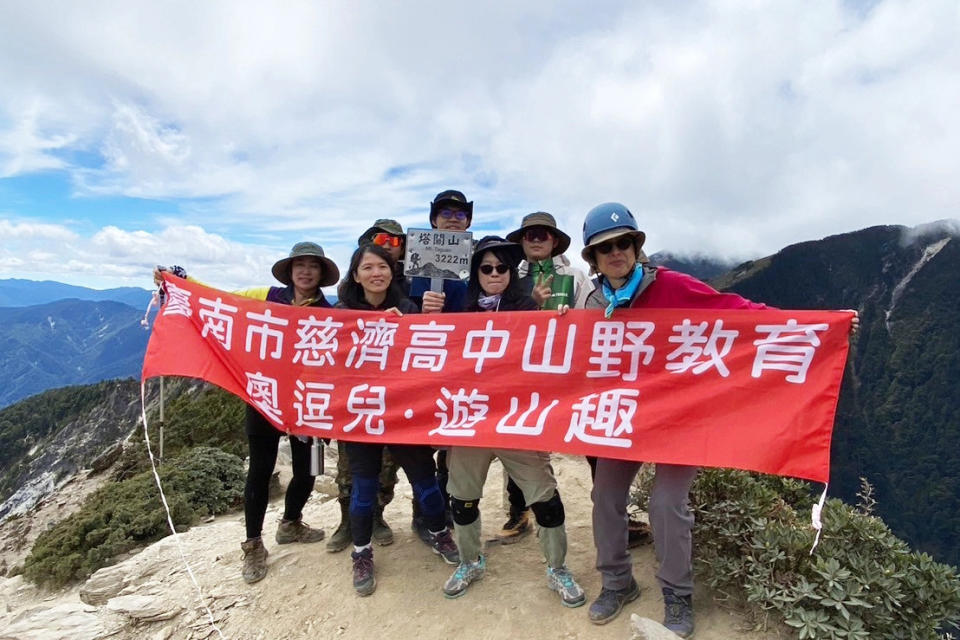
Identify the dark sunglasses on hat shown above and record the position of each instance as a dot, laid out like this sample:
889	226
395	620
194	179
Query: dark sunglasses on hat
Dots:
459	214
622	244
536	234
387	240
487	269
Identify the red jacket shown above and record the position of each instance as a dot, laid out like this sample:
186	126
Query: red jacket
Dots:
663	288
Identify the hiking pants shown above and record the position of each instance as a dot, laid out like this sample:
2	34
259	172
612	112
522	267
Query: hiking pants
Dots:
366	462
388	475
670	519
530	470
263	459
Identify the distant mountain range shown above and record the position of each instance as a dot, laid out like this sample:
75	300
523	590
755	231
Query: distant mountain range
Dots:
67	342
702	267
26	293
898	421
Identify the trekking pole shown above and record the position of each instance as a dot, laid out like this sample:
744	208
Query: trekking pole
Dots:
161	421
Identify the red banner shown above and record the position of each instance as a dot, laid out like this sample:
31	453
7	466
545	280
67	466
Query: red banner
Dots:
754	390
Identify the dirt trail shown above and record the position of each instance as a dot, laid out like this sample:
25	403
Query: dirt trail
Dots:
308	593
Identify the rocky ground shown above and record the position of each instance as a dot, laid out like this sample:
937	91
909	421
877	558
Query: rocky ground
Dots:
308	594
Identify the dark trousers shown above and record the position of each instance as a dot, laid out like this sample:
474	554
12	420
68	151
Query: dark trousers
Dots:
418	465
263	459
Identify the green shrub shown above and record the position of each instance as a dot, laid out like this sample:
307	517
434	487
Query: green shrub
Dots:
753	540
124	515
195	416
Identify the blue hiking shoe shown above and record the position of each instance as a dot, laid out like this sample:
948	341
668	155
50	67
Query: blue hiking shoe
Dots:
561	581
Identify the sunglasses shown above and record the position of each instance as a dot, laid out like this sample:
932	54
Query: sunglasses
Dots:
459	214
622	244
387	240
536	234
487	269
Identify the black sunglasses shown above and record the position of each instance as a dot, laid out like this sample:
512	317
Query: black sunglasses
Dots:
622	243
536	234
487	269
459	214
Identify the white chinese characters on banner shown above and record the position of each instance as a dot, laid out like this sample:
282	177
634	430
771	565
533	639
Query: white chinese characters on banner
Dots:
520	427
787	347
697	352
545	365
486	336
312	400
369	404
316	341
178	301
460	412
217	319
610	339
262	391
604	418
372	344
266	333
428	346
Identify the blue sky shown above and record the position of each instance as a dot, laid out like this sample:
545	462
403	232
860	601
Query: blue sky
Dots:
217	135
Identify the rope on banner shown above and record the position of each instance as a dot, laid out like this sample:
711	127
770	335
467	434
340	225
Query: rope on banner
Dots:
173	529
815	517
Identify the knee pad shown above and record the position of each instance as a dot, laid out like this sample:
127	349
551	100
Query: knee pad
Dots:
363	494
429	497
549	513
465	511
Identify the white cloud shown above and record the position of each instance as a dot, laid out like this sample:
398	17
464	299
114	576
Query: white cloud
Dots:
114	257
726	127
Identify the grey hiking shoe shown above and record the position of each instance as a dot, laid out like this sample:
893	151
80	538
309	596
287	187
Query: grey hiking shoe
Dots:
608	604
382	533
561	581
297	531
678	613
443	545
466	573
254	560
364	580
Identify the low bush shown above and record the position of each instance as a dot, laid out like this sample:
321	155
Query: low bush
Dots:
752	544
124	515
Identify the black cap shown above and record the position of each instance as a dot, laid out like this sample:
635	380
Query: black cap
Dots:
451	197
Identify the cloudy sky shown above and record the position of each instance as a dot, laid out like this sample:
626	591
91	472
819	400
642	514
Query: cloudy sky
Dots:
215	135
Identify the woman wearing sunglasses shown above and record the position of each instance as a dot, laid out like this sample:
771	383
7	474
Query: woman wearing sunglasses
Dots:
494	286
369	285
613	248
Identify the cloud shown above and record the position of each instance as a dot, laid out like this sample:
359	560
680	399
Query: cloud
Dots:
727	128
119	257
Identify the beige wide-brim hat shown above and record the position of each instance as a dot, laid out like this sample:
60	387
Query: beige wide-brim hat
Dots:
329	276
542	219
639	237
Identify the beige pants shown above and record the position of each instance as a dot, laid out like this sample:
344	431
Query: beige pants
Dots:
532	472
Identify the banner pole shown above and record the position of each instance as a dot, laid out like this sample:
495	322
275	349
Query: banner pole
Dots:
160	457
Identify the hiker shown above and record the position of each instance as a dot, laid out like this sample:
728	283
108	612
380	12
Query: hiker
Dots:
449	211
389	235
369	285
302	273
543	271
613	248
494	286
544	263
